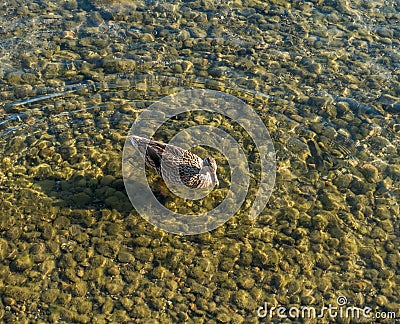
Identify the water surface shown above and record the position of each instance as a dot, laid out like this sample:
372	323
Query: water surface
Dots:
322	75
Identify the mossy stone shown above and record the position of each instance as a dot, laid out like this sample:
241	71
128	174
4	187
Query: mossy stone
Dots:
107	306
113	65
381	300
322	262
324	285
342	181
14	78
143	254
47	266
113	228
393	307
333	243
329	200
382	212
120	316
23	262
37	248
80	199
107	180
141	311
246	282
141	241
42	171
61	222
95	274
370	172
118	201
387	226
366	252
81	237
79	288
115	286
83	306
200	289
107	248
371	274
3	249
70	274
127	303
377	262
237	319
147	37
292	213
157	304
393	260
20	294
223	317
293	287
125	257
243	300
386	274
277	281
79	254
198	272
13	233
266	257
360	187
114	270
378	233
67	261
9	301
319	222
50	296
160	272
171	284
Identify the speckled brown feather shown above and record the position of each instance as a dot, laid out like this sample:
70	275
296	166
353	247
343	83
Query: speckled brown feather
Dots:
189	164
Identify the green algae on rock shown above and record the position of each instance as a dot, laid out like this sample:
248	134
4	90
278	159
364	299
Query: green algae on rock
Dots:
331	106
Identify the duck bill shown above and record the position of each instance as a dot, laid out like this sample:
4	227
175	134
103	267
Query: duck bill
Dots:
215	181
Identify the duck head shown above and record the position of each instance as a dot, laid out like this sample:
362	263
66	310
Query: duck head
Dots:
210	169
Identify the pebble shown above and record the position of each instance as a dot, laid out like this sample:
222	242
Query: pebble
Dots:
67	222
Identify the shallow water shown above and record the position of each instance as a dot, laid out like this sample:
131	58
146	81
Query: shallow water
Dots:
324	78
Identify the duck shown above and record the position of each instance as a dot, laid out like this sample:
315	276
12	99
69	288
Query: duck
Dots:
179	166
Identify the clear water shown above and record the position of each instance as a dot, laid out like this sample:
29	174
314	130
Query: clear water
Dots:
324	78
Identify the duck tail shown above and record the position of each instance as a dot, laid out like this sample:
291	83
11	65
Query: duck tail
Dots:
140	144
